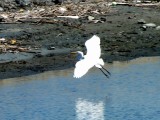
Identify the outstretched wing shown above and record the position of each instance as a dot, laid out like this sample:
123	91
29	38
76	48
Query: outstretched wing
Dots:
82	67
93	48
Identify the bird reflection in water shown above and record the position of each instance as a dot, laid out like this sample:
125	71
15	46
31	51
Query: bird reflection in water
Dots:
87	110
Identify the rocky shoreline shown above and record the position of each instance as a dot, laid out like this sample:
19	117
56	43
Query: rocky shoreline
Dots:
123	31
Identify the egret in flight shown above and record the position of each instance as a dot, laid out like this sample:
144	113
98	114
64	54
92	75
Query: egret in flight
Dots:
91	59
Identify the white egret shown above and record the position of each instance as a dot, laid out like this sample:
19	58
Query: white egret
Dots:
92	58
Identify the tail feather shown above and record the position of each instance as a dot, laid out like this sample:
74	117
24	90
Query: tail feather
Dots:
100	63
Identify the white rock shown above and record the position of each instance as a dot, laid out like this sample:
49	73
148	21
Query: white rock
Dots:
5	16
141	21
158	28
150	25
1	9
144	27
62	10
114	3
2	39
90	18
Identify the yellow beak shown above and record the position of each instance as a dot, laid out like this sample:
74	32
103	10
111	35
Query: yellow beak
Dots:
73	52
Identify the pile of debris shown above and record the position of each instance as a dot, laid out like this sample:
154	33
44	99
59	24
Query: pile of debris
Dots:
50	14
11	46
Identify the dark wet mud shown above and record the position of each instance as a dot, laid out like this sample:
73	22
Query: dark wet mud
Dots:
122	38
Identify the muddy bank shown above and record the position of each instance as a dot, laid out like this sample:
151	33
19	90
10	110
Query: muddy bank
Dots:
122	38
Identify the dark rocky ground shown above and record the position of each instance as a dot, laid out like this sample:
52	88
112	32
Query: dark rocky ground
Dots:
122	38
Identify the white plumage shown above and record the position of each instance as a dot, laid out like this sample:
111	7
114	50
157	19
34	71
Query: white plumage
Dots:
92	57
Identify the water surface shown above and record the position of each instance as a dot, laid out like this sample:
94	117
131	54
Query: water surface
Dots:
131	93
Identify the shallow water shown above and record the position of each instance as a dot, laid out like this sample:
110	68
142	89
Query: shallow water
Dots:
131	93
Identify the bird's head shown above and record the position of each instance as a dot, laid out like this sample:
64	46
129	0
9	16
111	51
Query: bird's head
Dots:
79	55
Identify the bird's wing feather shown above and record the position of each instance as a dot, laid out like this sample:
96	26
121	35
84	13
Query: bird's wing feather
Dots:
82	68
93	47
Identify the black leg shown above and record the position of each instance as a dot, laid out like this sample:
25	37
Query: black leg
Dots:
106	70
104	73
